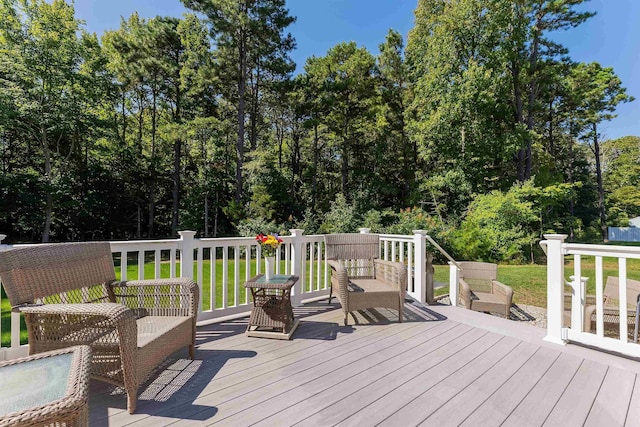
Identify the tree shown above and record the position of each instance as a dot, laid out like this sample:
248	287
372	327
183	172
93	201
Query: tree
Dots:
46	70
246	32
600	92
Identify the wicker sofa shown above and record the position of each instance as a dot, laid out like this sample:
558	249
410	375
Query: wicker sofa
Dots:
359	279
69	296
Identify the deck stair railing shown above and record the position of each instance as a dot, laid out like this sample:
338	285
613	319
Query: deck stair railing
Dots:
558	252
221	266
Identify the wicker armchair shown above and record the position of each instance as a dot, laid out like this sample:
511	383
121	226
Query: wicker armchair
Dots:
480	291
359	279
69	296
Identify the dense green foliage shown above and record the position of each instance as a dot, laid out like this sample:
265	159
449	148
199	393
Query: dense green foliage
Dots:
484	132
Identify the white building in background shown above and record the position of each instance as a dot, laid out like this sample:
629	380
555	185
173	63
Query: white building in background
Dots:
635	222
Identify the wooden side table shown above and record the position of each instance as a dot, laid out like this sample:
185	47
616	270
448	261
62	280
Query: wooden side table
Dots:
271	314
46	389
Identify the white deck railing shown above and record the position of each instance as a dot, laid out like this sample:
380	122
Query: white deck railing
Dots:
557	251
220	266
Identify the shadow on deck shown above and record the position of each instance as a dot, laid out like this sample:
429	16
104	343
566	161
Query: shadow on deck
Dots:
442	366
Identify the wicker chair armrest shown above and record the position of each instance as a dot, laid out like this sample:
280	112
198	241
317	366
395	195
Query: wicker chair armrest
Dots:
465	293
339	278
392	273
105	310
62	325
503	291
159	297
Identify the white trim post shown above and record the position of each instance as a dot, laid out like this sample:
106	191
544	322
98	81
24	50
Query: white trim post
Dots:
186	253
364	230
454	277
555	287
297	256
420	266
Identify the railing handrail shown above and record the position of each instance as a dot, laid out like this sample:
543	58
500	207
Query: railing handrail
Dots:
601	250
443	252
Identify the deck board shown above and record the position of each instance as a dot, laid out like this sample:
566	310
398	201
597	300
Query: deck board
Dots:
442	366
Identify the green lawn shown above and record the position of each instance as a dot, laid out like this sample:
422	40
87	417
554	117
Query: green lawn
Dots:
528	282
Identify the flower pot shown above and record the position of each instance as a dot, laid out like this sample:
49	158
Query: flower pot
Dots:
269	267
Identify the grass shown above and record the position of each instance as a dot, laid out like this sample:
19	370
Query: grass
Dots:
529	283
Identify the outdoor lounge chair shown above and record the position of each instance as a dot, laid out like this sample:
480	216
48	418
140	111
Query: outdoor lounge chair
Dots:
611	312
480	289
69	296
359	279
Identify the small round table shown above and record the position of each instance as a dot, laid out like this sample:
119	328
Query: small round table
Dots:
272	313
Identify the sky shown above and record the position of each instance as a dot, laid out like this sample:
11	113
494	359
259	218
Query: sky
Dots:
612	37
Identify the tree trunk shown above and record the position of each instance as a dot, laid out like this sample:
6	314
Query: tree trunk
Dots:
206	215
314	177
48	210
241	107
518	117
601	207
152	183
177	157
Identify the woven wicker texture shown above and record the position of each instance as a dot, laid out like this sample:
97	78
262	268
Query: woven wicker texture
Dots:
271	303
480	289
71	410
359	279
66	313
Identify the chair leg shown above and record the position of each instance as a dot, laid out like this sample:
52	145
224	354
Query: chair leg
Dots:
192	351
400	312
346	318
330	295
132	400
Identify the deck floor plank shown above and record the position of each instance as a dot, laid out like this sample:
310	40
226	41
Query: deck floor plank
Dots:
575	403
612	402
334	399
500	404
633	414
415	410
442	366
456	409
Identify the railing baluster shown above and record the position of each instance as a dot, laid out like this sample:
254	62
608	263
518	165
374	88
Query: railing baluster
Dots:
172	261
141	265
157	261
123	266
225	276
312	246
236	276
213	280
247	270
622	266
577	295
599	296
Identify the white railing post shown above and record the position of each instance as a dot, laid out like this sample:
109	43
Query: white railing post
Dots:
454	276
297	258
186	254
555	287
186	260
421	293
2	237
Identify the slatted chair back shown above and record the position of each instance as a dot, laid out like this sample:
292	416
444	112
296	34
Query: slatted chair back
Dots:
612	292
62	272
478	275
356	251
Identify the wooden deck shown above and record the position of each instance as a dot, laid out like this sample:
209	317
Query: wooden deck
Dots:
443	366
